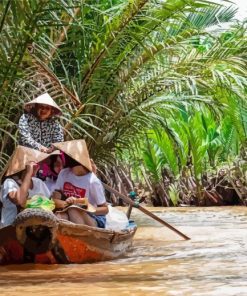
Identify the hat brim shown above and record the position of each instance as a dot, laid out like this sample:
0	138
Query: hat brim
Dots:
45	99
76	149
22	156
28	106
90	208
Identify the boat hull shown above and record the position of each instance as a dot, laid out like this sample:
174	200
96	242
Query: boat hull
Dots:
65	243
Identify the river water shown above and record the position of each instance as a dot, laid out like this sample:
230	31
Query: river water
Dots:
213	262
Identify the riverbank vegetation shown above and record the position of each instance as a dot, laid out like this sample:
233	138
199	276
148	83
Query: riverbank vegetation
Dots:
156	88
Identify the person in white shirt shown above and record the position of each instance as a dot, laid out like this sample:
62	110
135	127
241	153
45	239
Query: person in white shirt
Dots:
20	184
77	182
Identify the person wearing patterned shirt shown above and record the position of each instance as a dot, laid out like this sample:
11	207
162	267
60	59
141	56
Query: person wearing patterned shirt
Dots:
38	126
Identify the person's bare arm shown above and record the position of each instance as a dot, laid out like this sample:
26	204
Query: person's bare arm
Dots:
60	204
56	197
74	200
19	197
102	209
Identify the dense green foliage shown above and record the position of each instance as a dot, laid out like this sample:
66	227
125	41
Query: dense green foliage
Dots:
144	78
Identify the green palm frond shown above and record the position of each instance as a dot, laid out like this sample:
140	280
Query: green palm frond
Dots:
118	67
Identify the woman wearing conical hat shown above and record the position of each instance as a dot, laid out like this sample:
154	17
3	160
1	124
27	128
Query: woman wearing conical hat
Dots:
38	126
19	182
78	183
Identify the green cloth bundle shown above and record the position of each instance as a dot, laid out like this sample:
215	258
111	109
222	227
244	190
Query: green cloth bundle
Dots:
40	202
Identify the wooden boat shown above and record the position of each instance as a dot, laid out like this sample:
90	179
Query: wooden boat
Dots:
38	236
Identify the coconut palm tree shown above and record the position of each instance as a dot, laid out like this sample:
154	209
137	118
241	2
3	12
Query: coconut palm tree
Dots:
116	67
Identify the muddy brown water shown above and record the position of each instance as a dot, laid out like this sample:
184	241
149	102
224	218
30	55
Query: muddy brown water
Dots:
212	263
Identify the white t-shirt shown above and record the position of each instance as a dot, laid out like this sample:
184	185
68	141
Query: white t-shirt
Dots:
39	188
9	209
81	186
50	183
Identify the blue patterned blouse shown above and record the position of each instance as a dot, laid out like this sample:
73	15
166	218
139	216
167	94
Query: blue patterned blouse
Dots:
34	133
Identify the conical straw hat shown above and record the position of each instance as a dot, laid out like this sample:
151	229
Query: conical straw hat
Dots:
22	156
46	100
76	149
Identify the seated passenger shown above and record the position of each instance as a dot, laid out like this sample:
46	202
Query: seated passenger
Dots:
50	169
77	182
19	183
39	126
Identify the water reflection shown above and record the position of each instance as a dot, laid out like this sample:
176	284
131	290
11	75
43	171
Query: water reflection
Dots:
160	262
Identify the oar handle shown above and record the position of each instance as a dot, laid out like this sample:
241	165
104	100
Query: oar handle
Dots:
144	210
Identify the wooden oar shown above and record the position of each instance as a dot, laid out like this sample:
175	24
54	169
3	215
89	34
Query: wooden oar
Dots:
144	210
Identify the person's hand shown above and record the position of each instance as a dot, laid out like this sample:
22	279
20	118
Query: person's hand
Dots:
71	200
36	167
56	195
32	168
44	149
50	149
